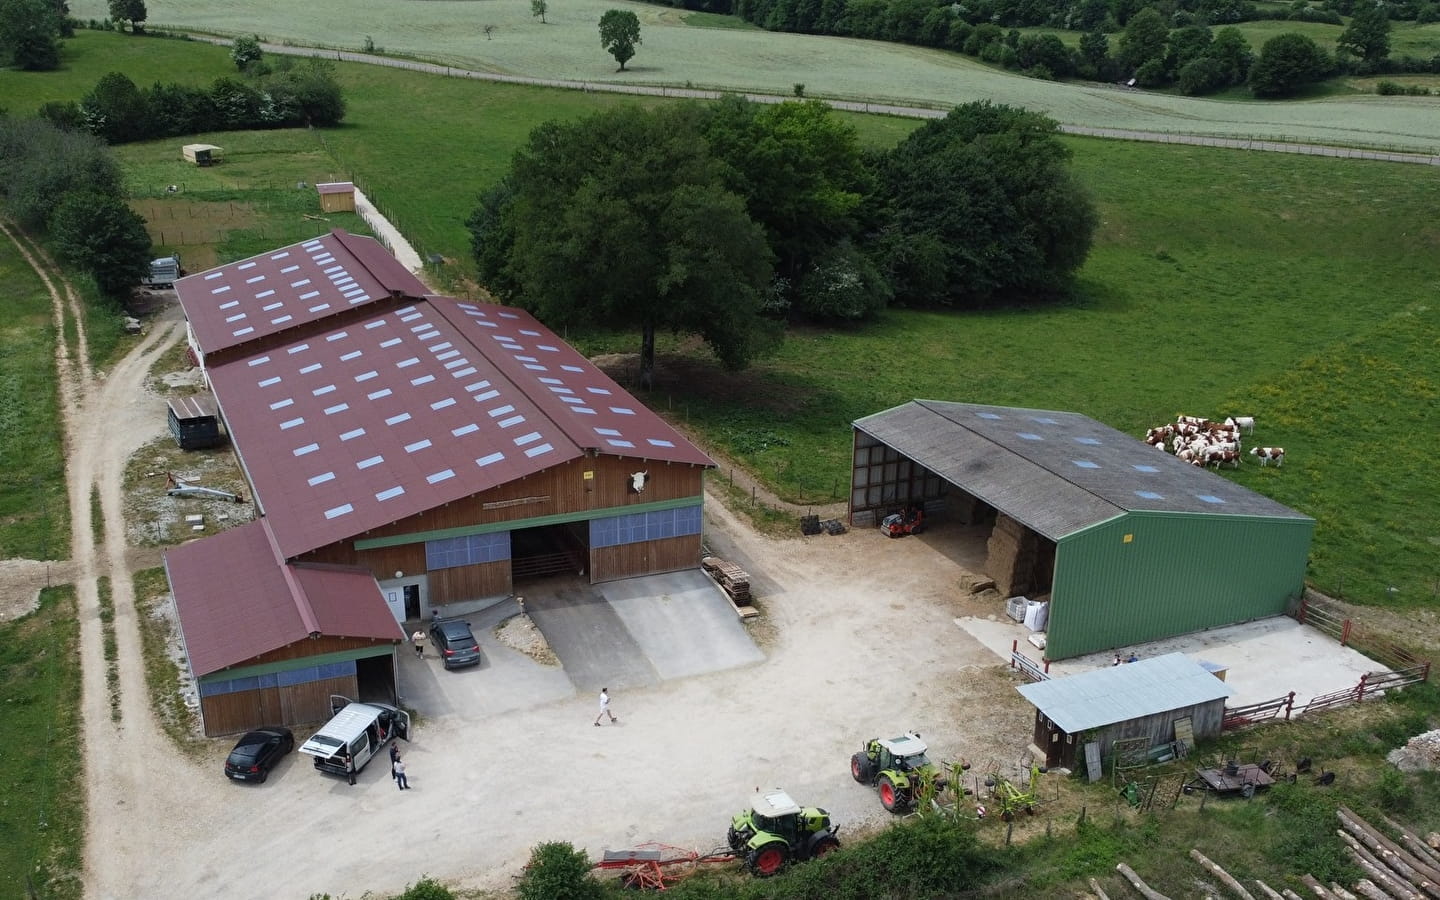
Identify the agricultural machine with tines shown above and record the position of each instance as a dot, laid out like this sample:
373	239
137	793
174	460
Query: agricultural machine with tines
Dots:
899	770
1009	798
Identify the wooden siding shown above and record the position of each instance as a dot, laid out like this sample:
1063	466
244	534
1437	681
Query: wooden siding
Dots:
382	562
291	705
645	558
469	582
1205	718
308	647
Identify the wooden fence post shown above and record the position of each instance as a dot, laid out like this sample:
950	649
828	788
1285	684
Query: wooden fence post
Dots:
1047	667
1345	633
1014	648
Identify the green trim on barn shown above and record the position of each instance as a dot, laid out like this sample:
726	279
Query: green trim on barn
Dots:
299	662
536	522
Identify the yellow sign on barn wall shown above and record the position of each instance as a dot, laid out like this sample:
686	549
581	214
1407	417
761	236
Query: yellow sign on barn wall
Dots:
1127	538
589	476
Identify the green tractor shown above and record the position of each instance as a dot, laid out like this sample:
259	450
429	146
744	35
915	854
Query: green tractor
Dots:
900	770
775	831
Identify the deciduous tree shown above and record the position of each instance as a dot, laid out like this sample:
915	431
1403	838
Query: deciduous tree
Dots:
1368	34
537	10
245	50
132	11
116	110
104	235
39	162
619	33
1287	62
1144	39
623	220
29	35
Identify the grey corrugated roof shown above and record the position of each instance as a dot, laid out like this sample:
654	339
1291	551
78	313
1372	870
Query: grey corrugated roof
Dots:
1122	693
1057	472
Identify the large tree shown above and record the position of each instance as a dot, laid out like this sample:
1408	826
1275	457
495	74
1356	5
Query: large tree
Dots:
1145	38
619	33
982	208
132	11
116	110
1368	34
39	162
1287	63
103	235
623	220
29	35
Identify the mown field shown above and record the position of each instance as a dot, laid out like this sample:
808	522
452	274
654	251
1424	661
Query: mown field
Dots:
673	53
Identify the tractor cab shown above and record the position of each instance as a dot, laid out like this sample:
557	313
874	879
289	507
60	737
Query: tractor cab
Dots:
776	830
903	754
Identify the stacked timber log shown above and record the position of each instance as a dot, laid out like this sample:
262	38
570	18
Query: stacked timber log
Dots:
1407	870
1011	555
733	579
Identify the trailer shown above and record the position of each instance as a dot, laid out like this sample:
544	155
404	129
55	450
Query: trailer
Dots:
164	272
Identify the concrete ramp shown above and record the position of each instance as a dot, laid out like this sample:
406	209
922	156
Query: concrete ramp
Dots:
682	623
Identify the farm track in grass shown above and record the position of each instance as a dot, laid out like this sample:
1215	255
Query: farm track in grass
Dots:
738	59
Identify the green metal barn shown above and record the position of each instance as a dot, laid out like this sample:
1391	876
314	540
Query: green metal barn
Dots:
1129	543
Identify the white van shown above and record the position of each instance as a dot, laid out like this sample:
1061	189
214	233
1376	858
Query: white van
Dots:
358	732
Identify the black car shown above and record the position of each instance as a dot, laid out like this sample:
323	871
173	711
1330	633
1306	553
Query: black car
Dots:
257	752
455	643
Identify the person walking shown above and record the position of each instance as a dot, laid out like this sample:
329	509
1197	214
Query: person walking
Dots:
394	758
418	638
399	769
605	707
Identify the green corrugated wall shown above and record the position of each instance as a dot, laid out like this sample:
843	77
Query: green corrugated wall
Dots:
1176	573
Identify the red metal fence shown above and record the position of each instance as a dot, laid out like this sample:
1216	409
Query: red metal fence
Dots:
1028	667
1324	617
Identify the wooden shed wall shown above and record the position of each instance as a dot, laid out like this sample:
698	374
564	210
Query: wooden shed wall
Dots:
645	558
1205	719
340	202
559	490
312	647
469	582
289	705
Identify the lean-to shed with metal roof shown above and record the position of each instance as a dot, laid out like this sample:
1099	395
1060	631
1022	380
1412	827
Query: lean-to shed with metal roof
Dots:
1136	700
1130	543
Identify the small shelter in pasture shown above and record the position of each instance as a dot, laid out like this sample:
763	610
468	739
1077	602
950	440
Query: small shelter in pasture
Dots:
337	196
1139	699
202	154
194	423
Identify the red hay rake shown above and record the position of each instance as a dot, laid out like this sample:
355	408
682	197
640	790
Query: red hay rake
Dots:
655	867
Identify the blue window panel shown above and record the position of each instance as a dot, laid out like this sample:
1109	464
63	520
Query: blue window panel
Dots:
467	551
299	676
337	669
652	526
268	680
214	688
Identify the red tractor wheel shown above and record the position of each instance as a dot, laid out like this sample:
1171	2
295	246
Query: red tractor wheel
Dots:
894	799
768	860
824	845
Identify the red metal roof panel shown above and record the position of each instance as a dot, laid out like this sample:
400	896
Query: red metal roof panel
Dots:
237	600
276	291
593	411
360	425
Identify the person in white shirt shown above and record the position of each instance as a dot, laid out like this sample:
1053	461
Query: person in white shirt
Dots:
605	707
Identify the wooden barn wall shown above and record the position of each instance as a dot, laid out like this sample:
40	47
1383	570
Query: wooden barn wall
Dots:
292	705
312	647
559	490
468	582
645	558
1205	718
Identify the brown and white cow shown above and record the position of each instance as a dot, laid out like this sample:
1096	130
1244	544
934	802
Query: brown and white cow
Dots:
1267	454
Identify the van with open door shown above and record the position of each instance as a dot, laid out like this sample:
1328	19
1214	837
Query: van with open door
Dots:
356	733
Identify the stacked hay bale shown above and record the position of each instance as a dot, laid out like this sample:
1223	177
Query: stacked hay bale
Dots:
1011	556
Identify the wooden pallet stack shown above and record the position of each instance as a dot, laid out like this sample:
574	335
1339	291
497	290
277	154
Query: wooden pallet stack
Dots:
734	580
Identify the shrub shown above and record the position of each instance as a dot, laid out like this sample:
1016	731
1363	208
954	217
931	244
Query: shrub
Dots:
1392	791
1389	89
557	871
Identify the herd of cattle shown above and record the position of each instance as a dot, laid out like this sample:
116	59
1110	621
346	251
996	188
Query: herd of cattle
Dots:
1202	442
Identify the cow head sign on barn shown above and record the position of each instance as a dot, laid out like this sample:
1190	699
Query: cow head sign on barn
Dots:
638	480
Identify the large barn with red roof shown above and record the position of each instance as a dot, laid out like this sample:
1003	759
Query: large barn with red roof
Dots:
441	448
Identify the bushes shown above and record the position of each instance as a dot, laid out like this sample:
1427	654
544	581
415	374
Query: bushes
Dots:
557	871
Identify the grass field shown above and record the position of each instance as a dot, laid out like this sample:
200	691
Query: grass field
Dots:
676	54
43	815
34	514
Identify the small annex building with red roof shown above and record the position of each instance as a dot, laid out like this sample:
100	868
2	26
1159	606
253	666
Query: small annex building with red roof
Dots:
446	448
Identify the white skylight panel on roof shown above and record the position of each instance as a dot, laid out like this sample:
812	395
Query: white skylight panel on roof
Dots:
407	363
527	359
281	404
281	255
366	376
391	342
513	420
530	438
548	380
371	461
410	317
292	423
1085	463
280	321
337	408
307	449
619	443
313	367
488	395
1044	420
602	391
337	336
308	295
538	449
535	368
376	324
508	315
989	415
1209	498
230	304
353	354
1094	442
397	419
423	326
423	379
1028	436
288	269
489	459
259	360
301	283
352	434
1148	495
263	294
440	476
237	317
220	290
441	404
454	363
247	265
319	308
390	493
449	354
465	429
575	400
339	511
298	348
548	348
608	432
1140	468
360	299
269	381
584	409
321	478
622	410
501	410
213	275
465	372
336	268
242	332
255	279
561	390
477	385
428	336
657	442
376	395
572	368
526	331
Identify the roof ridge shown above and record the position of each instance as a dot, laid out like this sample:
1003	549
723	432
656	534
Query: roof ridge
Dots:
297	593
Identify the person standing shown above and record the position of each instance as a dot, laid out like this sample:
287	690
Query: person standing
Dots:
394	758
418	638
399	769
605	707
